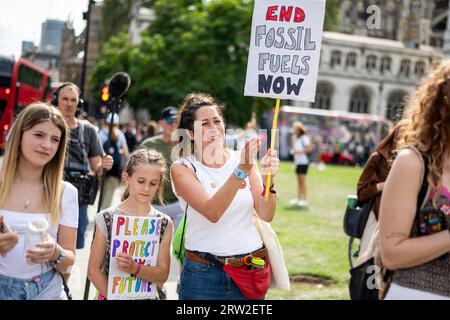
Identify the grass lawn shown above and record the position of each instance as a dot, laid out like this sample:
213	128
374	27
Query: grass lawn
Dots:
313	239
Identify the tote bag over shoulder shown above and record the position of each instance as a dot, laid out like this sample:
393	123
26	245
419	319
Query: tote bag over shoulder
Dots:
280	275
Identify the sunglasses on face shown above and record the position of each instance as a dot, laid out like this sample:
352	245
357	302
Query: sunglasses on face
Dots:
169	121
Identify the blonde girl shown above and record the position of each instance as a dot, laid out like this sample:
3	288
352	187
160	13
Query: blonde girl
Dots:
31	188
144	180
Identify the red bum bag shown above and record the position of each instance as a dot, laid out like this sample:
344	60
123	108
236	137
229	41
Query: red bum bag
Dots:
253	283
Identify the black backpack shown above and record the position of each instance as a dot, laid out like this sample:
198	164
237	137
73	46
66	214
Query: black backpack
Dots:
355	218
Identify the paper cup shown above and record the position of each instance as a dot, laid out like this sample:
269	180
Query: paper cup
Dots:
36	232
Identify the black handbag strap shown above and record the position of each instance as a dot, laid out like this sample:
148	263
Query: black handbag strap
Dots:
66	287
71	165
424	186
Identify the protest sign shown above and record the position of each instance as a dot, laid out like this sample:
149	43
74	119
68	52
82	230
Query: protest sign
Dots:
284	54
139	238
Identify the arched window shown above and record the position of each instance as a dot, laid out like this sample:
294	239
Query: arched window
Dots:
335	58
351	60
385	65
415	5
405	66
419	69
395	105
371	62
359	101
323	96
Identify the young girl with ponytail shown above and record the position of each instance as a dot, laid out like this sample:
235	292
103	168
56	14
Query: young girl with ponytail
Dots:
143	177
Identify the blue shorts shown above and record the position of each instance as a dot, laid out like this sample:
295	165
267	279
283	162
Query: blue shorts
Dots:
24	289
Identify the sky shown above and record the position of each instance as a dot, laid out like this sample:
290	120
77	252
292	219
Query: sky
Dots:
22	20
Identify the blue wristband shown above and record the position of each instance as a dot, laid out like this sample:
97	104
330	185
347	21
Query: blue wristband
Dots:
60	258
240	174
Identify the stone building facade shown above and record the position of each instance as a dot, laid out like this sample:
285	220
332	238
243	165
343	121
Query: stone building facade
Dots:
415	22
368	75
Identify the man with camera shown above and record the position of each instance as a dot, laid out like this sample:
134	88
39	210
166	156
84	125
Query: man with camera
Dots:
85	160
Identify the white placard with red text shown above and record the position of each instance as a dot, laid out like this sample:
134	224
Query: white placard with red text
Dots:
285	47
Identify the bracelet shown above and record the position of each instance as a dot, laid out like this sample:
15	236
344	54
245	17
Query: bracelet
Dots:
60	259
138	270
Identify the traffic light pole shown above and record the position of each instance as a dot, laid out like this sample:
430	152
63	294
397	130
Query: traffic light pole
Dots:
83	77
86	45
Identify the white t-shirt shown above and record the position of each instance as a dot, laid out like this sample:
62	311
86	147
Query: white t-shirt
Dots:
14	264
235	232
299	145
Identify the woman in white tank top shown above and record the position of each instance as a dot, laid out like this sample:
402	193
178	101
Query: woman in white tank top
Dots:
220	189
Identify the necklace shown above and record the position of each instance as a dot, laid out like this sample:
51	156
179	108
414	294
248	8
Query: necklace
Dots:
29	201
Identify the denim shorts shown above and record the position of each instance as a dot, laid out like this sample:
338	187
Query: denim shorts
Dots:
24	289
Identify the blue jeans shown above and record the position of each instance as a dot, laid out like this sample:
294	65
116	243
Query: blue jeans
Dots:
83	222
23	289
201	281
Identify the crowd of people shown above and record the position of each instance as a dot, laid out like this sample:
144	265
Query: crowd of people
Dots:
53	162
50	175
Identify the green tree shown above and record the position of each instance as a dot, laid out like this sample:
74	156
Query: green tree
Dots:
331	15
114	17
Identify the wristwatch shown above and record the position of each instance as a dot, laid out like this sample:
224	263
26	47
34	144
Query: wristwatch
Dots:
240	174
60	259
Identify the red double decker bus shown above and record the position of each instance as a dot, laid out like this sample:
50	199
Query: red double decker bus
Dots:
21	82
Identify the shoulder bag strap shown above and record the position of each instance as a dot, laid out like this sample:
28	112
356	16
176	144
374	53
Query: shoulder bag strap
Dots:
107	216
424	187
423	191
83	146
185	215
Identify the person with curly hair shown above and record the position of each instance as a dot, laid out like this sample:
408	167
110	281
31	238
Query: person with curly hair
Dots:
415	237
